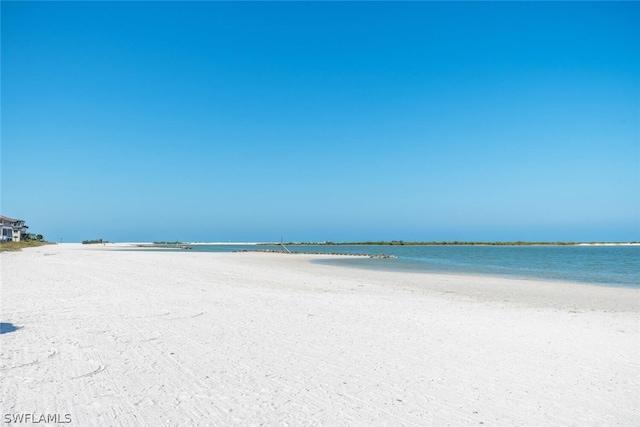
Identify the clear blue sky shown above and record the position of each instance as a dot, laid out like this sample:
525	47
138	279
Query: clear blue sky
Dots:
135	121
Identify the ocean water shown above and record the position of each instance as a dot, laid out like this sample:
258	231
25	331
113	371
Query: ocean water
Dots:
617	265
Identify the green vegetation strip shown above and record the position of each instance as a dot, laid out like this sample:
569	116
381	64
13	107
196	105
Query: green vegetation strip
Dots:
445	243
17	246
93	242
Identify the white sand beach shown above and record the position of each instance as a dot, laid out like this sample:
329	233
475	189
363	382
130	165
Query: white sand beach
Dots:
160	338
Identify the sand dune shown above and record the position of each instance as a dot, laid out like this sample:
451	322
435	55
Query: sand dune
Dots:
122	338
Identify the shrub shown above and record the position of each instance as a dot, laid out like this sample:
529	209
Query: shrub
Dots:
91	242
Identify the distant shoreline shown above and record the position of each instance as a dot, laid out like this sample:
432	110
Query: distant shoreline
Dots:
375	243
455	243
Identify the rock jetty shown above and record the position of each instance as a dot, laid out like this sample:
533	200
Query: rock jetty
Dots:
382	256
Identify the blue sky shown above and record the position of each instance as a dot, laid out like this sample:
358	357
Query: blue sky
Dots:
207	121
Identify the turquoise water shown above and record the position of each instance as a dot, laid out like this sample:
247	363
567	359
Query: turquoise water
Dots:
604	265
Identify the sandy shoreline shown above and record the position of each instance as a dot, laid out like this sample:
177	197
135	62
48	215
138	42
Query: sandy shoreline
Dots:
185	338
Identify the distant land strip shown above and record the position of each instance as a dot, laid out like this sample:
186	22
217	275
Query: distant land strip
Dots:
447	243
